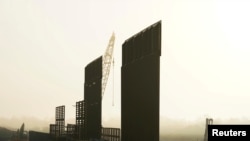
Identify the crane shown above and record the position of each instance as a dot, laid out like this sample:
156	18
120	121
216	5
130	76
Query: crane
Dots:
107	61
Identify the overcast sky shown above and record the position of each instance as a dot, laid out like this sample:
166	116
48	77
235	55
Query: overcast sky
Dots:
45	45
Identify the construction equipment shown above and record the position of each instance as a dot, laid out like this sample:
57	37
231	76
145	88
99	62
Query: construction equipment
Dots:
107	60
209	121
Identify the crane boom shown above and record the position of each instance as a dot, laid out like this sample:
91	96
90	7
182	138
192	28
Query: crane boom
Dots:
107	60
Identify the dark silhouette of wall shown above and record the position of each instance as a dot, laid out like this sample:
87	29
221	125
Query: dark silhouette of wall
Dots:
79	119
92	99
52	130
140	85
71	131
58	129
111	134
60	120
39	136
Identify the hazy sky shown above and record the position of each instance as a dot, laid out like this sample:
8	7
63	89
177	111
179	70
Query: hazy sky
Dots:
45	45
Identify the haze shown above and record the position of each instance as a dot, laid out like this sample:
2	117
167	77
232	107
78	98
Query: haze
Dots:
45	45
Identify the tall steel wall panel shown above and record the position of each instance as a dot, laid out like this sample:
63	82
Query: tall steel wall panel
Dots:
52	130
92	99
140	85
60	120
71	131
80	119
